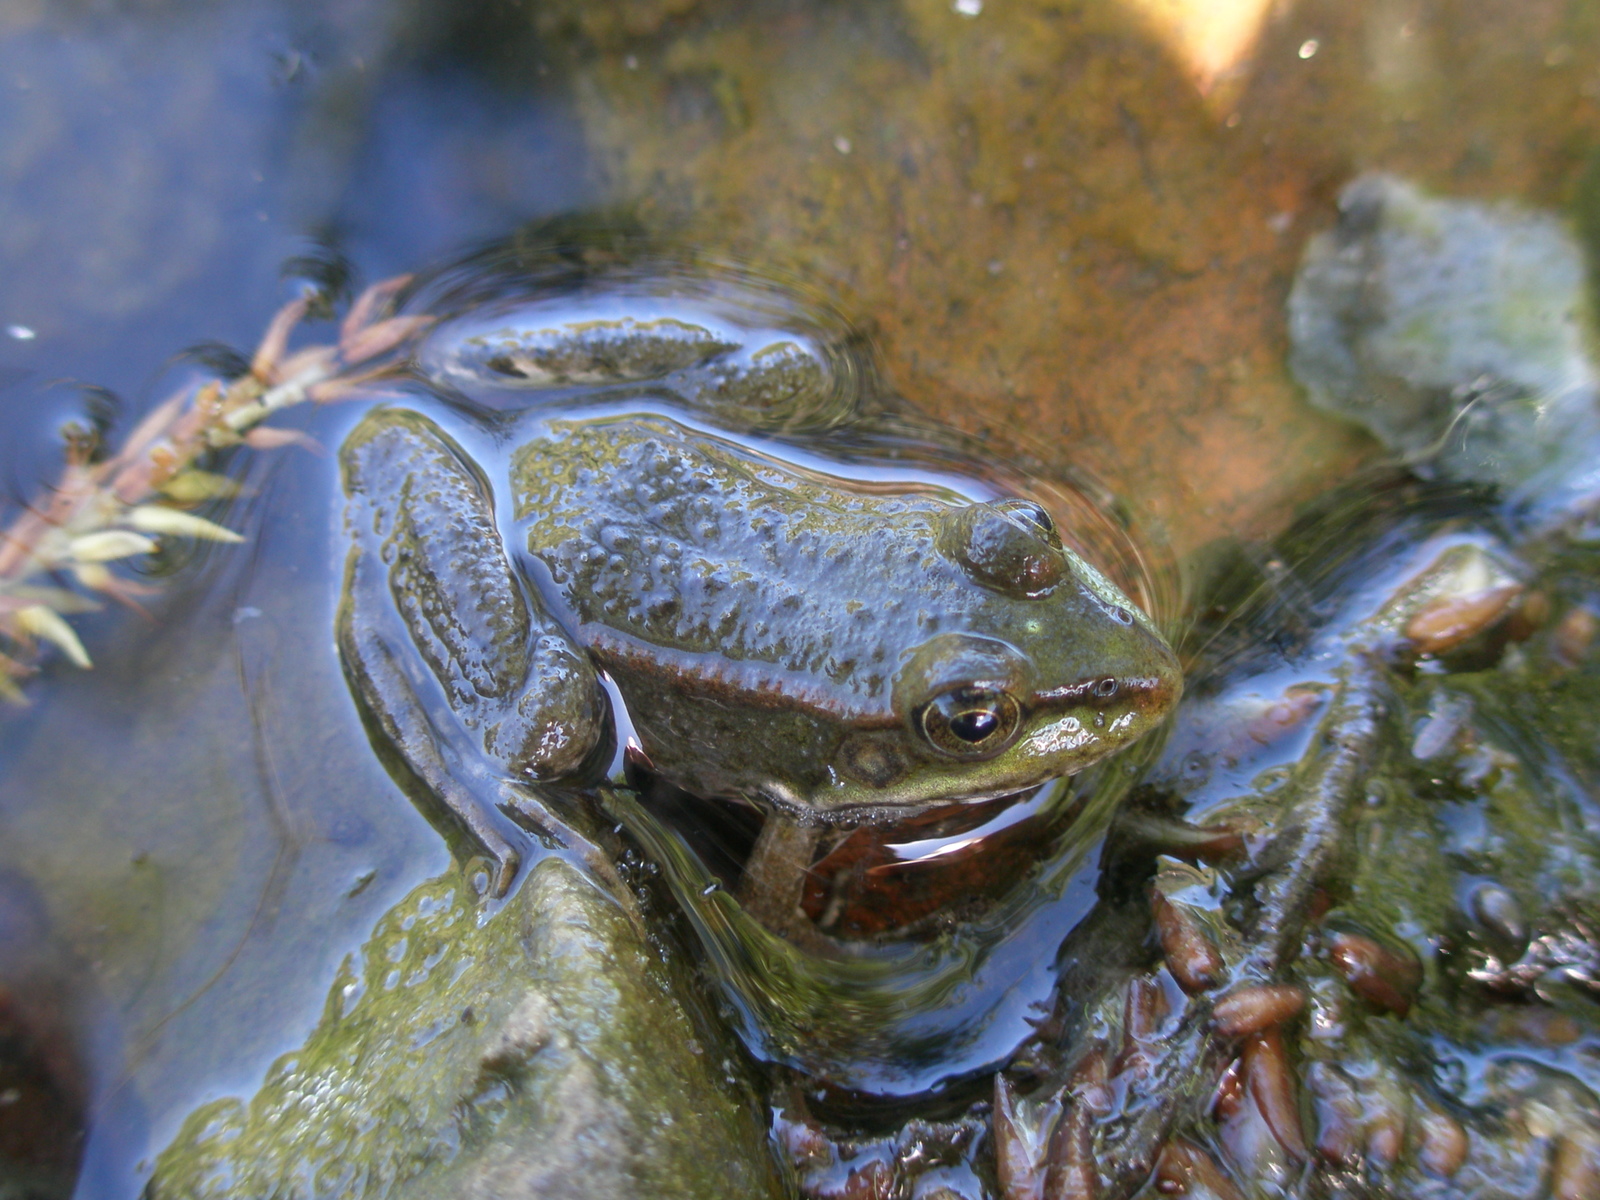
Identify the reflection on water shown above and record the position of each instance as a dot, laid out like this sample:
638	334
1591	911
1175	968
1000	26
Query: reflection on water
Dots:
922	978
1058	244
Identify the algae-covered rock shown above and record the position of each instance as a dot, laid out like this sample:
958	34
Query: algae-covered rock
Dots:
544	1050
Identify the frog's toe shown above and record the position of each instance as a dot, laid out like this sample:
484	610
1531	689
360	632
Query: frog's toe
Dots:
507	863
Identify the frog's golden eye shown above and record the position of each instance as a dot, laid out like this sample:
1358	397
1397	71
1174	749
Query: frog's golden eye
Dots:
971	721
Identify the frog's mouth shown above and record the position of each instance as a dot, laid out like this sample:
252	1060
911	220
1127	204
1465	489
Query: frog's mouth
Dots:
872	781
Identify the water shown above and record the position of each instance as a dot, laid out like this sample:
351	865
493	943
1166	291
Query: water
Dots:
1056	241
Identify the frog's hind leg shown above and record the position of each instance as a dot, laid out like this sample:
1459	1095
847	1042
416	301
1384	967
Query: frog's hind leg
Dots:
472	683
765	368
781	382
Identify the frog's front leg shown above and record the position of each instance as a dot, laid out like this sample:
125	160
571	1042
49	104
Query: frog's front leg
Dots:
471	682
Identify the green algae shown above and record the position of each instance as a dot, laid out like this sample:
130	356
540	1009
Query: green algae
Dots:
543	1050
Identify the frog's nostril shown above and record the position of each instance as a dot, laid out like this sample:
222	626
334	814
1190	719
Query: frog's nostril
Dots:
1106	688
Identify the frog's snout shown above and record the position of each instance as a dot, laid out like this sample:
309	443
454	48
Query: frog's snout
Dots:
1152	696
1148	695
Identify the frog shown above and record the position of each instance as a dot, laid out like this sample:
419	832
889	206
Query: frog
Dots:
639	565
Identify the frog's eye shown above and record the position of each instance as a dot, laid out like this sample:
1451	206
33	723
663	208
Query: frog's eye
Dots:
1034	514
971	721
1011	547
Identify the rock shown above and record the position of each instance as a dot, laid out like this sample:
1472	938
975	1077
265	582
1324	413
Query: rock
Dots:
544	1051
1457	332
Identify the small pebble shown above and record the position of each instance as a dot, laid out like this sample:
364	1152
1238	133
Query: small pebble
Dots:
1251	1010
1442	1147
1497	910
1270	1081
1573	635
1448	621
1190	956
1575	1171
1383	977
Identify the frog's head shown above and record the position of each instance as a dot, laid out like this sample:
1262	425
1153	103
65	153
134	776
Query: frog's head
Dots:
1040	669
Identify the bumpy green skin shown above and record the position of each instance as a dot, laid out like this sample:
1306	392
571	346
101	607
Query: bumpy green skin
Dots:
546	1052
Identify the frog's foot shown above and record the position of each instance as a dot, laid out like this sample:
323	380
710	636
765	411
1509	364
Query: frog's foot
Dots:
830	1167
532	814
373	672
716	352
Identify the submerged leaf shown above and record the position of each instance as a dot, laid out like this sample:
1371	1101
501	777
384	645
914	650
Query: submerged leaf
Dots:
194	485
272	438
46	623
60	599
156	518
108	545
93	576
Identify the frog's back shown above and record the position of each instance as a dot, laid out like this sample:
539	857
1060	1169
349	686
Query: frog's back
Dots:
659	534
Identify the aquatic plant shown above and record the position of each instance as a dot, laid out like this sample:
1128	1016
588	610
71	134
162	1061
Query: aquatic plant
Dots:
57	554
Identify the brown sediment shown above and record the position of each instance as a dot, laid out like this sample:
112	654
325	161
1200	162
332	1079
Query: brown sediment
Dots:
1442	1143
1386	1137
1270	1081
1018	1152
1379	975
1448	621
1284	714
1255	1009
1339	1114
1144	1009
1529	616
1573	635
1070	1172
1183	1164
1575	1166
1228	1097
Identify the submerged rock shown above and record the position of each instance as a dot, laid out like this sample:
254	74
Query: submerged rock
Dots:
544	1051
1457	332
